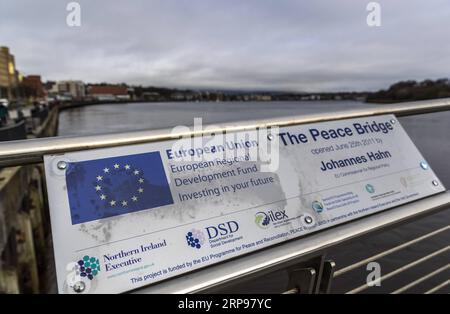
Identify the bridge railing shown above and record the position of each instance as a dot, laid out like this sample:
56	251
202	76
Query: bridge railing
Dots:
309	271
432	271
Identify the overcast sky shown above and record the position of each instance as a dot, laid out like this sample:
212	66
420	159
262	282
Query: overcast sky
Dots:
232	44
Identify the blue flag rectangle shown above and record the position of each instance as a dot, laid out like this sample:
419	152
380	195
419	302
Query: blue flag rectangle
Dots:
114	186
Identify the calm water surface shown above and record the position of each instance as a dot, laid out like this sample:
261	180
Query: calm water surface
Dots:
135	116
430	132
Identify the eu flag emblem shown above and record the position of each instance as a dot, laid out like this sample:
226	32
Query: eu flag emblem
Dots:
114	186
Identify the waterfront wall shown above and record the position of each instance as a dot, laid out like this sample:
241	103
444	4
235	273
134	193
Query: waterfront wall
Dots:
24	221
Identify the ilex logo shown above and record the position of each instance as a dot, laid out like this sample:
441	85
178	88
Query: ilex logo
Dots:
195	238
263	219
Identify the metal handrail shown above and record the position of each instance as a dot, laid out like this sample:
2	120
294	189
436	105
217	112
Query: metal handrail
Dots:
32	151
365	261
412	284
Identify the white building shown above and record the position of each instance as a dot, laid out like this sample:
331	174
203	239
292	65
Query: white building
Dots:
74	89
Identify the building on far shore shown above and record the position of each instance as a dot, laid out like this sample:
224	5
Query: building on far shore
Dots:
33	87
150	96
109	92
263	97
68	90
9	76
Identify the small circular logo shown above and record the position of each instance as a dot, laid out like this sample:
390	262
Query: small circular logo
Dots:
317	206
262	220
195	238
370	188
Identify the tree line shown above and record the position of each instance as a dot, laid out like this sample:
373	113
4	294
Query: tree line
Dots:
412	90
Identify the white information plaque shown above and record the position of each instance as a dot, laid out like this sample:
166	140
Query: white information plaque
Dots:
130	216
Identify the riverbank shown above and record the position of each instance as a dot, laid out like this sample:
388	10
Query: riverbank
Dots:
78	104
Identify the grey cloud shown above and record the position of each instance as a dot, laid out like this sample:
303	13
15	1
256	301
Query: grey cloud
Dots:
254	44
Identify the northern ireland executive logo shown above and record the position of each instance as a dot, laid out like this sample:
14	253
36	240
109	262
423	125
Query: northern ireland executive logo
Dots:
81	275
114	186
88	267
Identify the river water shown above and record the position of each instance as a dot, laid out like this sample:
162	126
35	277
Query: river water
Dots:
430	132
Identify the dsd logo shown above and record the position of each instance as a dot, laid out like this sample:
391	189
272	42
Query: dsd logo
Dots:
263	219
222	229
196	238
